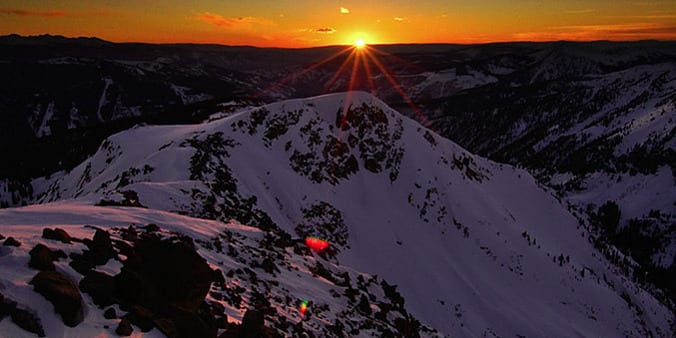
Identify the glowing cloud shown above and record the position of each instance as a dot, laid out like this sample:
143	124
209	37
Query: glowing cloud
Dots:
344	10
634	31
396	18
234	22
316	244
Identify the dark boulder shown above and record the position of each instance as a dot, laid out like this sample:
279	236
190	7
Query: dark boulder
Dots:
124	248
6	306
166	271
194	324
252	324
128	199
24	319
27	321
163	283
42	257
100	250
11	241
100	286
130	234
167	327
102	247
57	235
82	263
124	328
110	313
141	317
132	287
62	293
152	227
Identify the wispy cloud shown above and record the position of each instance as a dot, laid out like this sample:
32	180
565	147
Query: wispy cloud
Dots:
396	18
634	31
242	22
32	12
324	30
647	3
344	10
579	11
654	16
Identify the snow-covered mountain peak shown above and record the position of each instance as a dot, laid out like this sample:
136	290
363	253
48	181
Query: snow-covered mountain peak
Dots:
473	246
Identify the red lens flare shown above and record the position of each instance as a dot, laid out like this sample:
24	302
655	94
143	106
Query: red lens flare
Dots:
316	244
303	307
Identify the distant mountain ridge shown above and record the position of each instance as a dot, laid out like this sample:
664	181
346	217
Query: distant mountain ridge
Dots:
592	120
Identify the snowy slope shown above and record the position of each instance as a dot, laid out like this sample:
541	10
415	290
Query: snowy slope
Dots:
295	274
597	125
475	247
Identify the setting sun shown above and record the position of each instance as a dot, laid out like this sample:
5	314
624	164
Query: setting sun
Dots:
360	43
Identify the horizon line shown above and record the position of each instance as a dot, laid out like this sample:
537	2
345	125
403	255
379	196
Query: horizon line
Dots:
488	42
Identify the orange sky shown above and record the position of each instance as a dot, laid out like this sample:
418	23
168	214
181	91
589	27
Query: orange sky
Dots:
301	23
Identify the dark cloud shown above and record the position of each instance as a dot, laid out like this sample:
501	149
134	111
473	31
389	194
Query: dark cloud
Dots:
31	12
324	30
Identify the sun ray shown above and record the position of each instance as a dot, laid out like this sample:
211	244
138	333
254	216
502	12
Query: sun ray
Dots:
340	70
346	107
301	73
346	104
367	68
393	82
408	64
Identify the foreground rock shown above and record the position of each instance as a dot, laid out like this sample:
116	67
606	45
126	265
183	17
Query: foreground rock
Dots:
164	284
56	234
100	250
42	257
21	317
124	328
62	293
11	241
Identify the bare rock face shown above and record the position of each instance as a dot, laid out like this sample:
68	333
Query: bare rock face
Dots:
62	293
